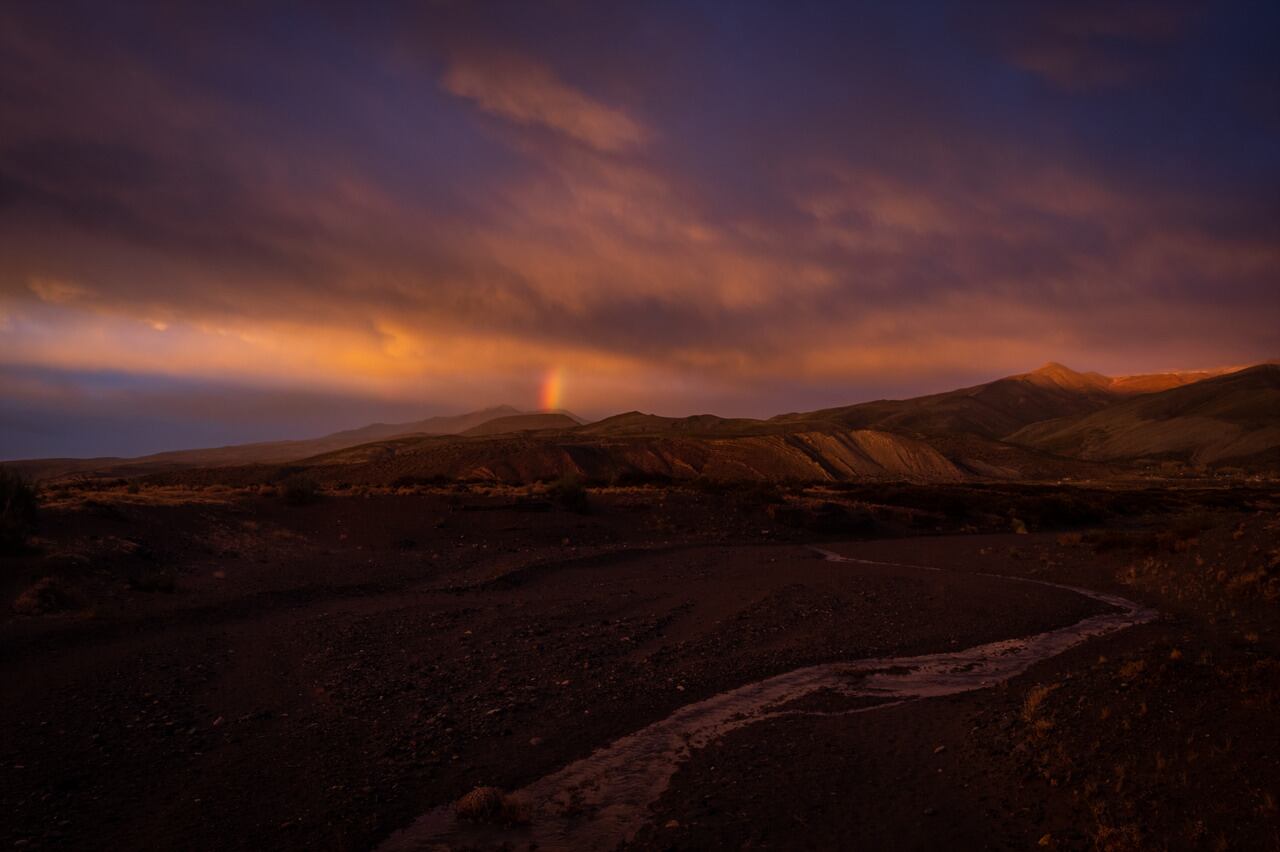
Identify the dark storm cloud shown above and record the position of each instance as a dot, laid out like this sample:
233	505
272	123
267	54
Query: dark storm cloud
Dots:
676	202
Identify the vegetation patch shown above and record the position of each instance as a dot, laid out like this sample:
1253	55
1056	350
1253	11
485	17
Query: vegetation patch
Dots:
571	494
491	805
46	595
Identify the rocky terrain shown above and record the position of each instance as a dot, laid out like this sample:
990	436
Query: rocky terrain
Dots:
222	668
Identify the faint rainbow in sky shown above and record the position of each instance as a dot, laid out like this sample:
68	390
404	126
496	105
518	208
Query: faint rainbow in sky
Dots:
552	394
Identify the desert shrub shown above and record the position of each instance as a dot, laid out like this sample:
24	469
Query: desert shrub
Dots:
489	804
49	594
1031	705
18	511
832	518
1178	539
300	491
571	494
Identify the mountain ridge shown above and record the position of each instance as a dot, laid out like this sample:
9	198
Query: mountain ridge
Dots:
1233	415
1023	425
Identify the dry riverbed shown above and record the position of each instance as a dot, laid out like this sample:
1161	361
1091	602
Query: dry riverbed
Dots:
320	676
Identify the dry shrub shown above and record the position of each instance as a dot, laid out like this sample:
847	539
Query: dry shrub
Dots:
1119	838
49	594
1180	539
1132	669
1032	703
490	804
1256	582
571	494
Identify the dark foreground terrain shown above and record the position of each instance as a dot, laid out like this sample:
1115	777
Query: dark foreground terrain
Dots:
224	668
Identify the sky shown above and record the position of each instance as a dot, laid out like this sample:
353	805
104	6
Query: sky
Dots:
243	221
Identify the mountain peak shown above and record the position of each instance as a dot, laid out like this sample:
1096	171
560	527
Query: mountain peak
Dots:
1060	375
1054	368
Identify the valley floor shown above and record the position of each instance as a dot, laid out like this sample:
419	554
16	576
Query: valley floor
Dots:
220	670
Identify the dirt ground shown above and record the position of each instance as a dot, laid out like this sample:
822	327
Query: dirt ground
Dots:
218	669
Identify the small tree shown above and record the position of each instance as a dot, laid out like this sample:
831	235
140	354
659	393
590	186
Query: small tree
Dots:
18	510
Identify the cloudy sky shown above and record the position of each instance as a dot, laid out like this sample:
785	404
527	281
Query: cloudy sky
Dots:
222	223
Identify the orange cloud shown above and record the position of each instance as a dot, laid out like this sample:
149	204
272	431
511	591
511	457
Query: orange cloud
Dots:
57	292
531	94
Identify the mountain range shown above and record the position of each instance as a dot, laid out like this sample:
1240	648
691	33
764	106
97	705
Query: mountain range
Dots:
1053	422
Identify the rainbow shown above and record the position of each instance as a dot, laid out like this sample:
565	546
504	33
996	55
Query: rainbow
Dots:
551	395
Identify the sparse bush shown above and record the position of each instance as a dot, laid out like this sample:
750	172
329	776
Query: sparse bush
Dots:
1182	537
300	491
826	517
1032	703
490	804
18	511
49	594
571	494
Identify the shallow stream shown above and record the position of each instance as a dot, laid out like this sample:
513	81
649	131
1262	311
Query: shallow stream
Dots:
605	798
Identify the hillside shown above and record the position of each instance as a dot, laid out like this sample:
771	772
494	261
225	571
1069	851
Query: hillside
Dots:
1156	382
990	410
1232	416
267	452
636	423
527	457
524	423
